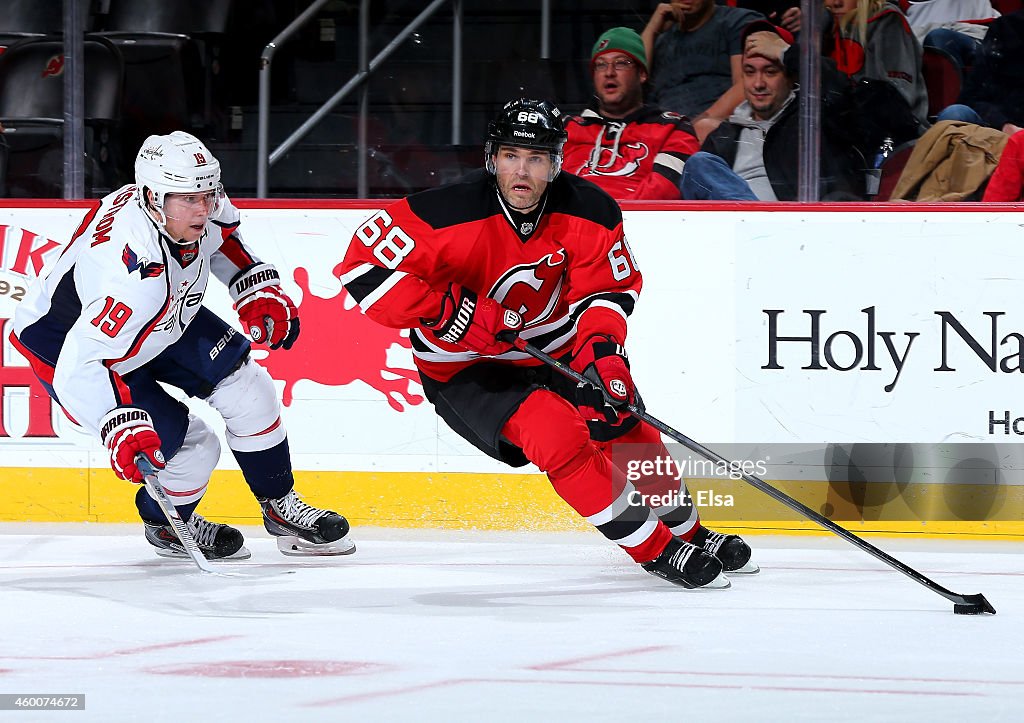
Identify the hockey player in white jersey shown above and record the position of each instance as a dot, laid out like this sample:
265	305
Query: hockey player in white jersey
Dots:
121	311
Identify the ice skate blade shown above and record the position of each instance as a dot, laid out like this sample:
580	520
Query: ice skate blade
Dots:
242	554
297	547
719	583
748	569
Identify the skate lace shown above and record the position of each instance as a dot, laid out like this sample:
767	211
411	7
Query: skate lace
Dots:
203	531
680	556
714	541
293	509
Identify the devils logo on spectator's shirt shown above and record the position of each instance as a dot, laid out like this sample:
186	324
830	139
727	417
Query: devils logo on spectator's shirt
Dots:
637	157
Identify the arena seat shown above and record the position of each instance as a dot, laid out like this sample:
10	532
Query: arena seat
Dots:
32	112
943	79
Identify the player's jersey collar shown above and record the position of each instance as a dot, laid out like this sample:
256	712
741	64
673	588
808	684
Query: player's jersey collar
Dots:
524	224
184	255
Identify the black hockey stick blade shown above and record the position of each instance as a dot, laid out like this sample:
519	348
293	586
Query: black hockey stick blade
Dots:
973	605
962	604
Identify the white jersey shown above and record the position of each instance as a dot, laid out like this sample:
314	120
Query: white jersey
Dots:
119	294
927	15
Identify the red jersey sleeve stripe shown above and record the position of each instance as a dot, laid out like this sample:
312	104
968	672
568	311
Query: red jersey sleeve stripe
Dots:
235	252
122	392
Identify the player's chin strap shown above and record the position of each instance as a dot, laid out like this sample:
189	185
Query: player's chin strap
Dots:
963	604
161	221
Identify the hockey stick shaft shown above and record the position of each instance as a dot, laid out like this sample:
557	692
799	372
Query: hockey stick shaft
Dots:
963	604
156	490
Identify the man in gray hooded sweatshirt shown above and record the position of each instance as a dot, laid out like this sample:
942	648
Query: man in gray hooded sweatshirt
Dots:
753	156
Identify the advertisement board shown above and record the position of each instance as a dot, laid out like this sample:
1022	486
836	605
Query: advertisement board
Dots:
840	346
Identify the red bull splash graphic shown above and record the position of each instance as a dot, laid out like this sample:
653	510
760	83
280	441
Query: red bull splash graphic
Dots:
339	346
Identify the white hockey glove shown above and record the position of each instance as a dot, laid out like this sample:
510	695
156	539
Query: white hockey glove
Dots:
266	312
128	432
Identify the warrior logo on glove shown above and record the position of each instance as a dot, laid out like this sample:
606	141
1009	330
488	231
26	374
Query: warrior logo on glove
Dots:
128	432
264	309
477	324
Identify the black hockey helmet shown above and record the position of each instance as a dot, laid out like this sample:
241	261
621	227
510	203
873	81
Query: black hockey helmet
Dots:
535	124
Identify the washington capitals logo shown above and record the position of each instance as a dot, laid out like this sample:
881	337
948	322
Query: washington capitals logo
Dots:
147	268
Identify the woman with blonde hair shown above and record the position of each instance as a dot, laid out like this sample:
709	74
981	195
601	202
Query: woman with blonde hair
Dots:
872	40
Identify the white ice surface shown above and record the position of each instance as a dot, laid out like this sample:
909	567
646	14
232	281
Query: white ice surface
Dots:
447	626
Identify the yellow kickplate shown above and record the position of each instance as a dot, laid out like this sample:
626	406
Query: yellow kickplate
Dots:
527	502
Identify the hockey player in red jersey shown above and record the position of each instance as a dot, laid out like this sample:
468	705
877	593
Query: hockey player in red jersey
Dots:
120	312
631	149
522	248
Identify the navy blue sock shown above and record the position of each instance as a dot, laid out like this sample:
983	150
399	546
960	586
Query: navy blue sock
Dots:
150	511
268	472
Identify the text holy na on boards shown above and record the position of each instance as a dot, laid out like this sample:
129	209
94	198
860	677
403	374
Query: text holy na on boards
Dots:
870	348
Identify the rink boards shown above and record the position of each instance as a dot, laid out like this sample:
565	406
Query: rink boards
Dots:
867	361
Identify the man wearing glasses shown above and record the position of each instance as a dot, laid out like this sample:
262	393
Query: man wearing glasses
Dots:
120	312
630	149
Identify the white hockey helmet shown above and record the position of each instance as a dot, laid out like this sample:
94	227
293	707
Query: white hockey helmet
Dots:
175	163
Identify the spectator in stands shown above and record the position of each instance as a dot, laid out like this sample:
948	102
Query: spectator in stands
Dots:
993	94
871	40
694	49
1007	182
943	24
779	12
630	149
754	155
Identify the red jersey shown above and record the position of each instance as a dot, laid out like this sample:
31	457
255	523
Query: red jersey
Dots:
1007	182
565	267
637	157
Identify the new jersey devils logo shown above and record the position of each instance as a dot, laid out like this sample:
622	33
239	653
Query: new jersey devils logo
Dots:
533	289
620	160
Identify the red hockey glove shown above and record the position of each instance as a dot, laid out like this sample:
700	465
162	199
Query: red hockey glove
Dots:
128	432
604	363
266	312
474	323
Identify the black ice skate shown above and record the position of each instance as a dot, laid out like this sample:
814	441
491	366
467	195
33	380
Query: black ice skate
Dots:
216	541
302	529
731	550
688	566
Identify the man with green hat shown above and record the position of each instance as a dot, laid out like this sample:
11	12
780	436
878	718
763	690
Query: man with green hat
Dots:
631	149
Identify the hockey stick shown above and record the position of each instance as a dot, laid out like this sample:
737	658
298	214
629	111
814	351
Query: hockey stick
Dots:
171	513
962	604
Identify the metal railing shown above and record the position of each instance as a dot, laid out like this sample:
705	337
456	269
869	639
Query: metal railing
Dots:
266	159
74	99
